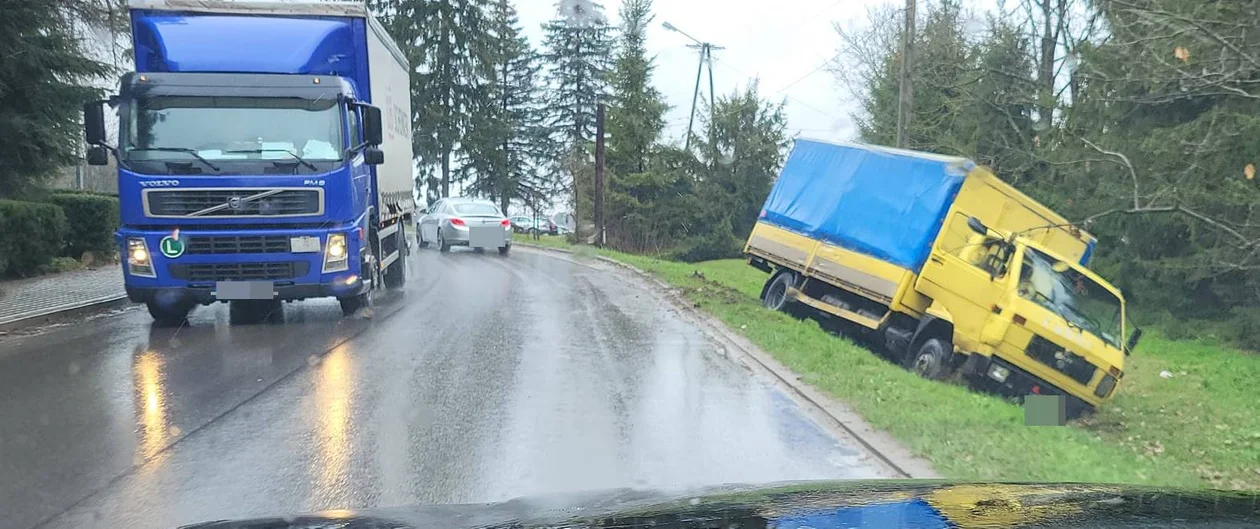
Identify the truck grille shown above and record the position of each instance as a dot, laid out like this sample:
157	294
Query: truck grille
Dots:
208	245
1062	360
243	202
239	271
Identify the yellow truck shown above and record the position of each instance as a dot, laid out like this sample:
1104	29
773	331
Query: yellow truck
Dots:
946	267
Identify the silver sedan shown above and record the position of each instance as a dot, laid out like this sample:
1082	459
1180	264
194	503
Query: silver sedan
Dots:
464	222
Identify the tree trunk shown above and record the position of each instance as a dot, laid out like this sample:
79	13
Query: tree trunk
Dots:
1045	65
446	173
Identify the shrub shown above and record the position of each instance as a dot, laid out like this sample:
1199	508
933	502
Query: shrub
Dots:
719	243
32	235
92	218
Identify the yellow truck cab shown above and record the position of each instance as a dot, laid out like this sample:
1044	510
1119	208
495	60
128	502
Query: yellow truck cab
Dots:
947	266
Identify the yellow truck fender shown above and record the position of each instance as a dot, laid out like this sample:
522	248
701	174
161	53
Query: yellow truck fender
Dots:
936	321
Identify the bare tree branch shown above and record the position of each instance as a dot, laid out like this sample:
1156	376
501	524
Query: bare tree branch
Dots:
1129	165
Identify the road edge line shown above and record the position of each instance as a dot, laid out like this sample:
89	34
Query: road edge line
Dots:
24	320
891	452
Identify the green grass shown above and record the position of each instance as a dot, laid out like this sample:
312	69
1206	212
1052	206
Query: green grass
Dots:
1198	428
550	241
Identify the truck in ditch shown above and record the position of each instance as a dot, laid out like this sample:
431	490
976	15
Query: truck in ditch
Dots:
948	268
264	155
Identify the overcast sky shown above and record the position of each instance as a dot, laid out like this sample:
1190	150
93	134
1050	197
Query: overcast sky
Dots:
778	41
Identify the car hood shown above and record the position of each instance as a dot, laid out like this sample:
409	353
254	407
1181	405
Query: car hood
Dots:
814	505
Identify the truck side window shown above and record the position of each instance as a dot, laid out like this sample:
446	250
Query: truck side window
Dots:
356	133
986	253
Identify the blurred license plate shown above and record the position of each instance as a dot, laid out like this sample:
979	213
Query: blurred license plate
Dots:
304	244
486	237
244	290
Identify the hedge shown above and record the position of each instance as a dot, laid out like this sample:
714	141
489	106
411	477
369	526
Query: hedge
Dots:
92	217
31	235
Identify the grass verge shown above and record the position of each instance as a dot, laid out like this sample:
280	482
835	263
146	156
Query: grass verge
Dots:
1183	416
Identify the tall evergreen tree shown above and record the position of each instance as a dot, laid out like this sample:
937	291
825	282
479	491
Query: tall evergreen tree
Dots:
45	77
578	51
750	135
636	116
507	136
445	42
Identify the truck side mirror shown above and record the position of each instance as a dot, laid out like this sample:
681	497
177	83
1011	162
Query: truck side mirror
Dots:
98	155
977	226
94	122
372	132
1133	341
373	156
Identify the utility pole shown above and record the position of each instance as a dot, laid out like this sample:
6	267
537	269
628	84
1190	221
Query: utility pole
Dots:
706	58
599	175
905	100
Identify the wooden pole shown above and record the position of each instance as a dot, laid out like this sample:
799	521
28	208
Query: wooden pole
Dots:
905	99
599	175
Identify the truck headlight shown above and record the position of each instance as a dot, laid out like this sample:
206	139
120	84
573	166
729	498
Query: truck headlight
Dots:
336	253
139	261
1105	386
999	373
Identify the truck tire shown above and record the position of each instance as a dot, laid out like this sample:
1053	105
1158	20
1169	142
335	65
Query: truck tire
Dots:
775	295
442	245
255	311
353	304
168	316
931	359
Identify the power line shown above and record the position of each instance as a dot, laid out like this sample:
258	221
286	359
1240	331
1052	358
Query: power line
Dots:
814	16
788	96
806	76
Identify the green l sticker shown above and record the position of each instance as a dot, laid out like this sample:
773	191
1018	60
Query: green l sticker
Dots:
171	247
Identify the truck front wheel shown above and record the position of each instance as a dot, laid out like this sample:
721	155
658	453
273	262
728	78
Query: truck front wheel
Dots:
168	316
931	359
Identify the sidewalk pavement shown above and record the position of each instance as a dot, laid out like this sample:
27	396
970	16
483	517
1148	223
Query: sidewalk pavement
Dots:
44	295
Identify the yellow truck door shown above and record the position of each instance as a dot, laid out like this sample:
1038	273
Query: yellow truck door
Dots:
966	277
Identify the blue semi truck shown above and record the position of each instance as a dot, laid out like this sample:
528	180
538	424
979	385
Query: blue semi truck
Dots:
264	155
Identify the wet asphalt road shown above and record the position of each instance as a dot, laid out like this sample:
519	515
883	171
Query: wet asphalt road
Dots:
489	378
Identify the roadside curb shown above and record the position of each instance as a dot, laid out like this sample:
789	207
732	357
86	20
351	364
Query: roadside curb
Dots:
890	452
28	319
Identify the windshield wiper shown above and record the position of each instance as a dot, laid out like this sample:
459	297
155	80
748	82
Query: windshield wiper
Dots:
286	151
193	152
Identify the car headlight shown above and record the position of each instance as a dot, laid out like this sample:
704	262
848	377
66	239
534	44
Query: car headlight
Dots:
336	253
139	260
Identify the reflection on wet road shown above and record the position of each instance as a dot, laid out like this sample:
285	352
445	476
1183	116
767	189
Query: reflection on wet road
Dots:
489	378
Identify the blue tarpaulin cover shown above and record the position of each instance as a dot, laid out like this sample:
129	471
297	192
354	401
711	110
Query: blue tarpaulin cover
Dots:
885	203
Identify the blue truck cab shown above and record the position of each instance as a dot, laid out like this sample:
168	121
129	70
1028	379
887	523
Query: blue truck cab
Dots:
264	155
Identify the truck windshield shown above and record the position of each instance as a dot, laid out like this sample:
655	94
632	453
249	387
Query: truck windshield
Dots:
1086	305
233	128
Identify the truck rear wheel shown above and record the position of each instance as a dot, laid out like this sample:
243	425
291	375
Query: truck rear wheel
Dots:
775	296
168	316
931	359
